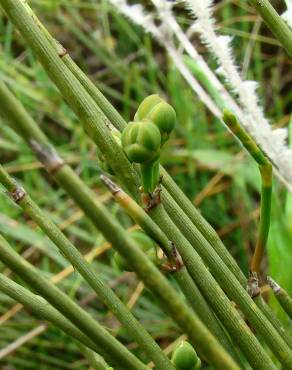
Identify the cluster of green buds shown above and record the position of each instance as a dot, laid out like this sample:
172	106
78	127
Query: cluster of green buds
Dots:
143	138
144	242
184	357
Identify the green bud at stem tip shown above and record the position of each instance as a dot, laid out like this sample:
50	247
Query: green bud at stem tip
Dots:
141	141
160	113
185	357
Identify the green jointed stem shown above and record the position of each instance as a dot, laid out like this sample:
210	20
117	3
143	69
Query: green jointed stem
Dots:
206	229
20	14
118	121
43	310
276	24
111	349
82	195
199	222
265	216
282	297
95	122
215	296
104	292
96	362
47	64
222	274
147	177
266	171
269	313
187	285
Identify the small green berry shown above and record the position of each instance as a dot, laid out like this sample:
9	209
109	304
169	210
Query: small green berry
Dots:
185	357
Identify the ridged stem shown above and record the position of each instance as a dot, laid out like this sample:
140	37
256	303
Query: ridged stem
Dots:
282	297
96	362
266	171
111	349
96	124
179	272
43	310
80	101
103	291
201	224
270	314
215	296
276	24
115	118
157	283
227	281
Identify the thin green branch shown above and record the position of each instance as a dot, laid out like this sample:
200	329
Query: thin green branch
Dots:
266	171
43	310
96	124
111	349
104	292
282	297
276	24
222	274
46	50
110	112
269	313
76	189
215	296
178	310
179	272
95	361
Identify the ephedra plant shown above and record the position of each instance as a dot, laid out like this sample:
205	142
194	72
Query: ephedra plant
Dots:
177	255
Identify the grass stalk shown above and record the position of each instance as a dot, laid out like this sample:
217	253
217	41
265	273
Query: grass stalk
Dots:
84	197
282	297
179	272
96	124
80	101
157	283
269	313
276	24
95	361
225	278
266	171
215	296
201	224
104	292
43	310
111	349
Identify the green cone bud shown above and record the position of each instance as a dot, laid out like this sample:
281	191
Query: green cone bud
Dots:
141	141
185	357
164	117
144	242
160	113
146	106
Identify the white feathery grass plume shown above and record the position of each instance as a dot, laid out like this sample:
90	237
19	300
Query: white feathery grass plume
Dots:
273	142
164	9
137	14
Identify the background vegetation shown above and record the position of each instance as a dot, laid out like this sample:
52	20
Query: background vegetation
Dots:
204	159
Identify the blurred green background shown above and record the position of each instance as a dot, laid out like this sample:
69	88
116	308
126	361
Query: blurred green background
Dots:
212	169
